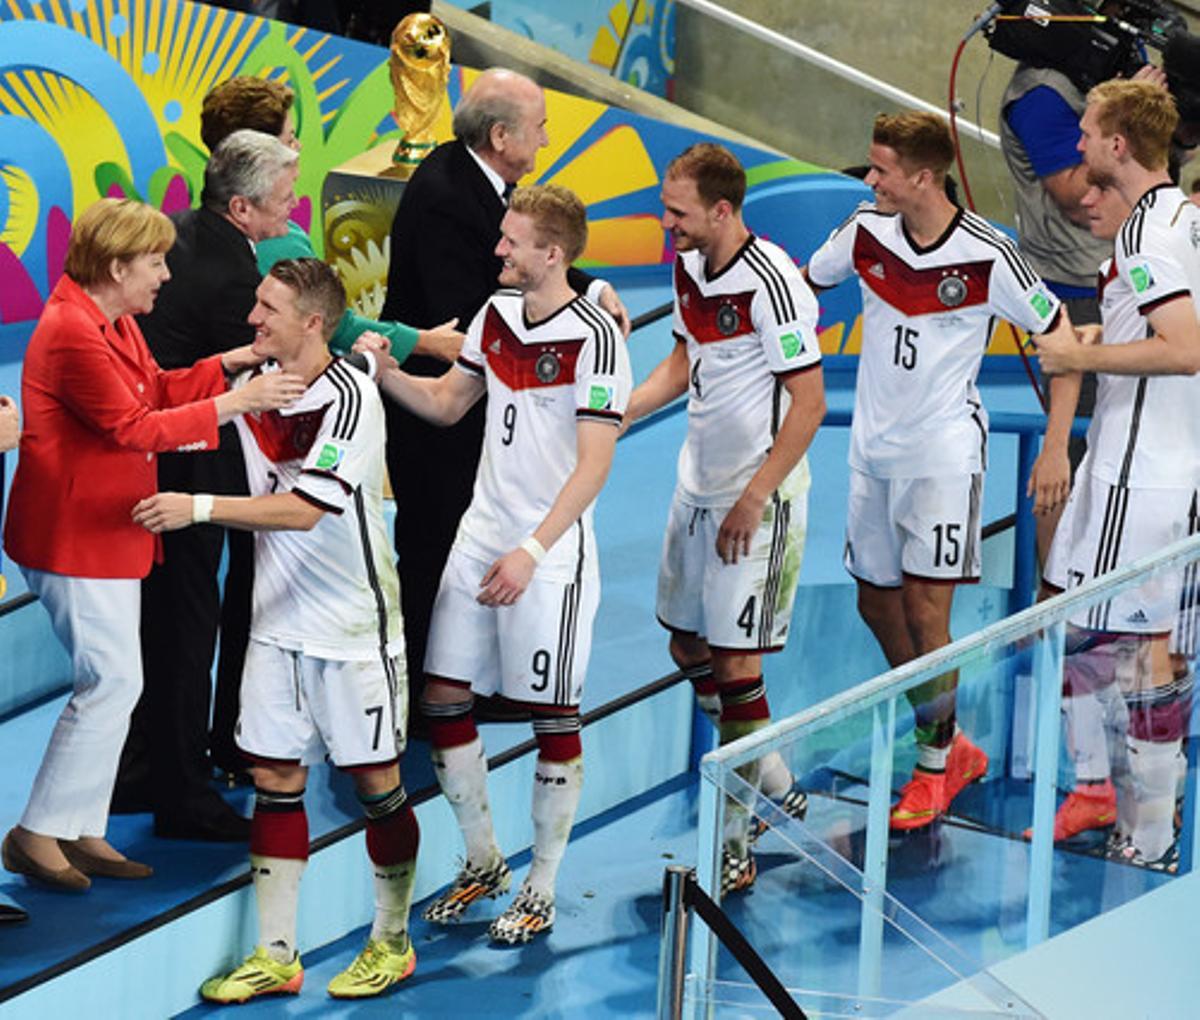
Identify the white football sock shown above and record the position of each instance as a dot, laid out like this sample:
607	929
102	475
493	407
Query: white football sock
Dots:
462	775
1154	767
277	893
393	898
556	789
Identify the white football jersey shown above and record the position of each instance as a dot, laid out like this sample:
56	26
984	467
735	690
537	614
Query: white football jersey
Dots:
1145	430
746	327
928	314
331	592
542	380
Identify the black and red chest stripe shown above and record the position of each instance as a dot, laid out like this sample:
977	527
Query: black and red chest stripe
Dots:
525	366
281	437
914	291
710	319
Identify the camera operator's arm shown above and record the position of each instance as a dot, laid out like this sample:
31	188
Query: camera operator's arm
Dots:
1048	129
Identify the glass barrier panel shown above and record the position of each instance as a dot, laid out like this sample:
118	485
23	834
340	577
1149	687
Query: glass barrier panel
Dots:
963	808
727	1000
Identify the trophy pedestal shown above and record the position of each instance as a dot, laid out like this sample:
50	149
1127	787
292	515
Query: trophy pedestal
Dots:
358	204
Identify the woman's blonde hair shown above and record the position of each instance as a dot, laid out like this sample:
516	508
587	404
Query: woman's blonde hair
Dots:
114	228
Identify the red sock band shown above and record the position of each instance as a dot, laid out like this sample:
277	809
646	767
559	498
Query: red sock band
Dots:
744	700
394	838
559	746
452	731
702	680
279	833
557	736
1160	719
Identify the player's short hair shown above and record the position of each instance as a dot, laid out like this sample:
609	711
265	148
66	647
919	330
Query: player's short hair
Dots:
558	215
920	140
1196	185
114	228
714	170
317	287
1143	113
244	102
247	163
498	96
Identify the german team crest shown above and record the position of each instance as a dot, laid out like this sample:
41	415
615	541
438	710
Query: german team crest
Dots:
727	320
547	367
952	291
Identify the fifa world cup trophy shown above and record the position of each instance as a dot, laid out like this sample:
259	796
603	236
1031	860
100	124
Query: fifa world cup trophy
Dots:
419	66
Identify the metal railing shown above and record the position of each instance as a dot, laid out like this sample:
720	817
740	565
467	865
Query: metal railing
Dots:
681	897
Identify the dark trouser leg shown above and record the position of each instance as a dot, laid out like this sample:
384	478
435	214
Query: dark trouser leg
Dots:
235	633
432	472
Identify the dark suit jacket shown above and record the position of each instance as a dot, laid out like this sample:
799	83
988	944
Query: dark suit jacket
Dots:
443	261
202	309
442	265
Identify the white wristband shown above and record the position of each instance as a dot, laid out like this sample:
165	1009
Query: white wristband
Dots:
202	508
535	549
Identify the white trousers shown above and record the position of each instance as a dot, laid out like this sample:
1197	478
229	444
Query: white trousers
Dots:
96	619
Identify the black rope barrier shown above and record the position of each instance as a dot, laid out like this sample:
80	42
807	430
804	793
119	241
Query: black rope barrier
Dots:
755	967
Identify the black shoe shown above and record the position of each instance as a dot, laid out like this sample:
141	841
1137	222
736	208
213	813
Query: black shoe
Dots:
10	913
208	822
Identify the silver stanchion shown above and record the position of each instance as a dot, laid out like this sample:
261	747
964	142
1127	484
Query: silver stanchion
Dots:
672	952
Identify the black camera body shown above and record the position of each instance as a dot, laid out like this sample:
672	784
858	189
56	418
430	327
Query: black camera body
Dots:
1087	52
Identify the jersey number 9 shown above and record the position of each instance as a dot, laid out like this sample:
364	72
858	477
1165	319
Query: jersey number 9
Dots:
510	423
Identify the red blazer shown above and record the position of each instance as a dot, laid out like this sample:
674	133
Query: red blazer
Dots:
96	409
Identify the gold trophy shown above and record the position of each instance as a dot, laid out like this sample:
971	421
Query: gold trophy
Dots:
420	67
359	197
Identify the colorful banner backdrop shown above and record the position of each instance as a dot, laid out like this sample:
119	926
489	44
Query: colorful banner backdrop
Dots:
104	99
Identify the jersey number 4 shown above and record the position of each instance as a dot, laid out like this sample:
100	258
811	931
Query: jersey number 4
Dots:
745	618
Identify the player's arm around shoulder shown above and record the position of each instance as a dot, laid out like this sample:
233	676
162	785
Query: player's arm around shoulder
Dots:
833	261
